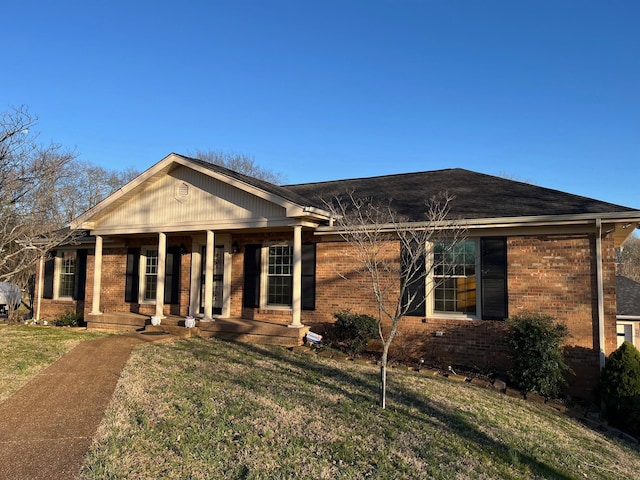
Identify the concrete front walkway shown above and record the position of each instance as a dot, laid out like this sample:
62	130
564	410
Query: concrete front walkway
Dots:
47	426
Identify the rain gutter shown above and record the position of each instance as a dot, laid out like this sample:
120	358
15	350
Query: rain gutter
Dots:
600	293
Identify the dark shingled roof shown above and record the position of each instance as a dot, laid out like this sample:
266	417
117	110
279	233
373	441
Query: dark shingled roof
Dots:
268	187
628	296
476	195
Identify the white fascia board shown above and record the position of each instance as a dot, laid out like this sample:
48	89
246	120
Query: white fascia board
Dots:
509	222
244	224
628	318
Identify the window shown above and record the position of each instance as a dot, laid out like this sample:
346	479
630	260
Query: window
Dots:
141	280
454	277
268	276
67	274
279	275
150	284
469	279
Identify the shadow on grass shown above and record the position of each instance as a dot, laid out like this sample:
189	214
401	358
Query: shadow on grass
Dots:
402	401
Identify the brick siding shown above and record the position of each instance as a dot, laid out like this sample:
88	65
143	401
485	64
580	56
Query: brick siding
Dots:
551	274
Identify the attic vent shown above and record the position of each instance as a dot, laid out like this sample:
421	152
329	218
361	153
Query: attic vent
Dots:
182	191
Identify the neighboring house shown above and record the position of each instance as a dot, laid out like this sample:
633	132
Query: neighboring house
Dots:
190	238
628	312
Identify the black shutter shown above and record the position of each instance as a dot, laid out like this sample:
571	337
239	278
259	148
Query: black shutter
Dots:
49	267
251	293
493	282
132	276
80	277
415	284
308	276
172	276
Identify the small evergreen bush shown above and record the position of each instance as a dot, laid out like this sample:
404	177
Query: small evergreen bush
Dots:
620	388
69	319
535	343
352	331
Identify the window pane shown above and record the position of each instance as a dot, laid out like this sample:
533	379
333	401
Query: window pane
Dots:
279	291
151	274
150	287
67	274
279	288
455	280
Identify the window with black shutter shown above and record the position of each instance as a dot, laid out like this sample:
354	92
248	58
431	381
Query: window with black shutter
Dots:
468	271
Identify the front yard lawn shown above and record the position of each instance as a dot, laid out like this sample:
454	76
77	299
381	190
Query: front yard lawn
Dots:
202	409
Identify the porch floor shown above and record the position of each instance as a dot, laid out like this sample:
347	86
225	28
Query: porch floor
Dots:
237	329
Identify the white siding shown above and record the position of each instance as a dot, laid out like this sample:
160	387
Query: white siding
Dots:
208	201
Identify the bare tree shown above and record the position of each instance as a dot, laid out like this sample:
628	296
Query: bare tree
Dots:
396	257
29	172
628	258
240	163
83	185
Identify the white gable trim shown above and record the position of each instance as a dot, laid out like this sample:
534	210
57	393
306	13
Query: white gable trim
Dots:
293	210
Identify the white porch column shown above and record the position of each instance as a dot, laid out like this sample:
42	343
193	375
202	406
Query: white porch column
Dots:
97	277
296	303
40	285
162	258
208	277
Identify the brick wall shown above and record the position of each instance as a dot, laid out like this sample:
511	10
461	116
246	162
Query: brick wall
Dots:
551	274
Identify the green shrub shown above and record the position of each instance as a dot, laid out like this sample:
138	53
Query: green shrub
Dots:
535	343
69	319
620	388
352	331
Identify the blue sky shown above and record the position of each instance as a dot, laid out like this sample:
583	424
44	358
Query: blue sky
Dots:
542	91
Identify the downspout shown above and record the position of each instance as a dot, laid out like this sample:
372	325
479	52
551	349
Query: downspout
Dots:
600	292
40	282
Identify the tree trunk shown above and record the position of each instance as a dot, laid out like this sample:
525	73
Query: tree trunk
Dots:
383	386
383	375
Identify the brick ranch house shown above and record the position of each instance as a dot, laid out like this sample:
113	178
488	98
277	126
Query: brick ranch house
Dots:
190	238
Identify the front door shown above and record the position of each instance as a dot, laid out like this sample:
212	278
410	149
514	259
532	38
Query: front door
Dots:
218	278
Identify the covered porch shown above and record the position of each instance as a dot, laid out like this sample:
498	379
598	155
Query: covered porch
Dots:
208	275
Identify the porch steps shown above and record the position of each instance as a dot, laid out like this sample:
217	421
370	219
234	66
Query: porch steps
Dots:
116	322
253	331
236	329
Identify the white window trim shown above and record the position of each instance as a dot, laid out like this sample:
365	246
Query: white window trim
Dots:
430	285
633	330
142	275
57	273
196	266
264	277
